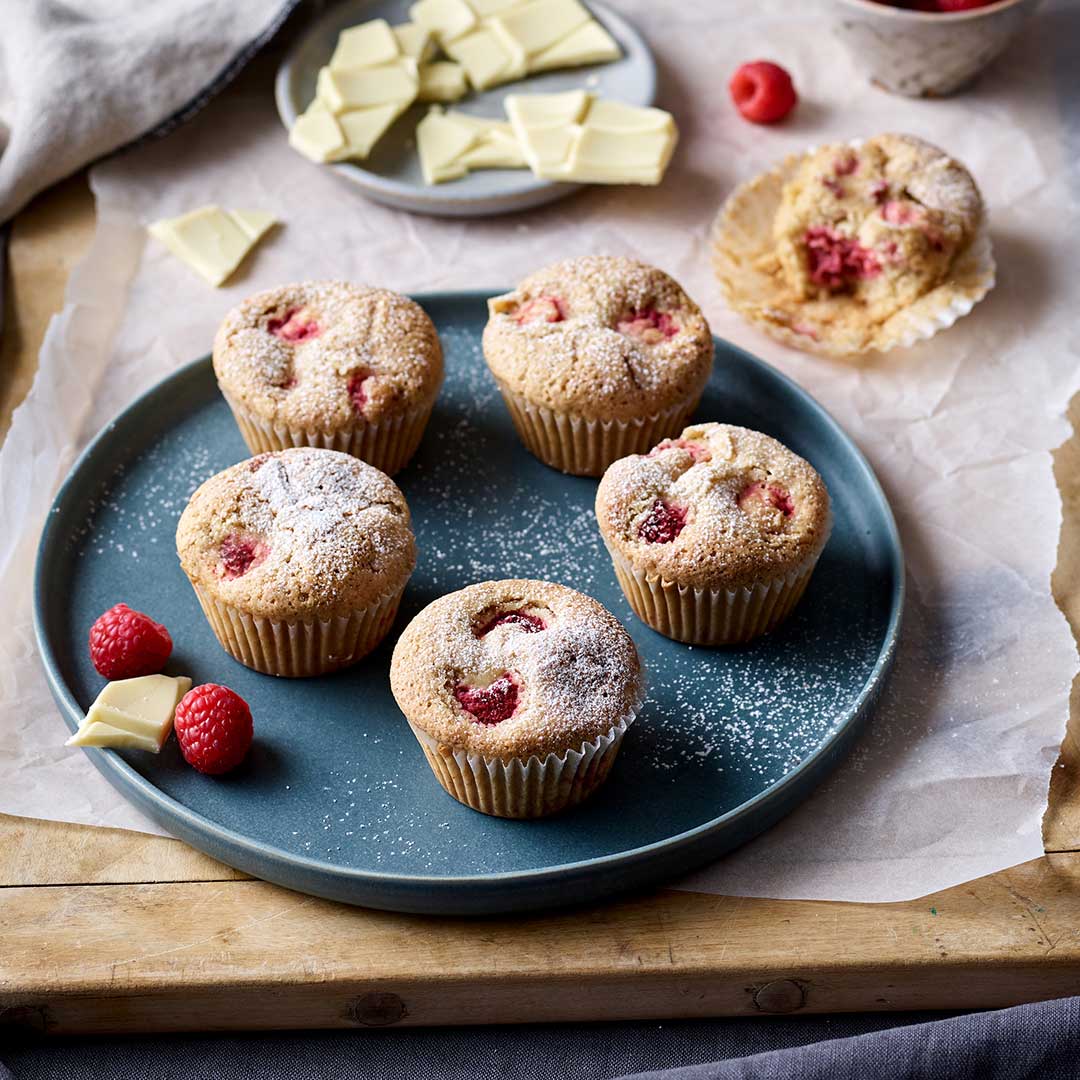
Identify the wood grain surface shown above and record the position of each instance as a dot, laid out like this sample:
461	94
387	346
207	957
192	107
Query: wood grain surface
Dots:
104	930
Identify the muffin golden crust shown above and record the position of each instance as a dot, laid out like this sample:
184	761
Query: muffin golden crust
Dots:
516	669
601	337
302	534
881	222
329	355
719	508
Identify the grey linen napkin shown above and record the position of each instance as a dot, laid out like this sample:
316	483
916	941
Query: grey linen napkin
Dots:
81	78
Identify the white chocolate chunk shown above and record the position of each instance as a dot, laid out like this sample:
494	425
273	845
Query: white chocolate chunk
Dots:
363	128
486	8
494	150
483	56
367	45
441	143
212	241
415	41
588	44
316	134
540	24
598	142
442	80
446	19
358	88
133	713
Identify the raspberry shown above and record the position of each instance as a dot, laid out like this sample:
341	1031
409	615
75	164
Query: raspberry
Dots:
770	494
834	260
125	644
763	92
541	309
961	5
296	326
531	624
357	388
664	522
694	449
239	553
489	704
648	325
214	729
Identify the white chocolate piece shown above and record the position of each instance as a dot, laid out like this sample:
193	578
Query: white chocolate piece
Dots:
212	241
441	143
599	142
133	713
540	24
588	44
446	19
415	41
316	134
494	150
483	56
363	128
443	81
486	8
359	88
367	45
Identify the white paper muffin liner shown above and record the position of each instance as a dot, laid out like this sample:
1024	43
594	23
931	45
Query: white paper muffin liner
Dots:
712	616
741	237
524	789
299	649
573	444
386	444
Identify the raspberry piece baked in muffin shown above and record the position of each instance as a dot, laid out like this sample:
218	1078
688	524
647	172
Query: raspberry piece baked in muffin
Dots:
519	693
881	222
597	357
714	535
299	558
331	364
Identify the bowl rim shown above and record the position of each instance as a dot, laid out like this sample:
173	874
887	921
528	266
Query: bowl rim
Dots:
887	11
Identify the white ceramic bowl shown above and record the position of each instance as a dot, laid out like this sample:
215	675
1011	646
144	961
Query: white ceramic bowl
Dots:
927	54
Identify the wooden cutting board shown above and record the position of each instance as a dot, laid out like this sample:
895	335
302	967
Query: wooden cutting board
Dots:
104	930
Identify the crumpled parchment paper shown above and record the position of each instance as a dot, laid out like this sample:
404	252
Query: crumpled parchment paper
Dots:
950	780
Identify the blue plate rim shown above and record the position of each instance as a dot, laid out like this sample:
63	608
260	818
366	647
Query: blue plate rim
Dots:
164	808
443	196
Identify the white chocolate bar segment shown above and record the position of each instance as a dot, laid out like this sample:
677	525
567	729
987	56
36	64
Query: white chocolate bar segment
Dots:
367	45
540	24
316	134
582	139
133	713
454	143
363	128
446	19
442	80
588	44
212	241
344	89
415	41
483	56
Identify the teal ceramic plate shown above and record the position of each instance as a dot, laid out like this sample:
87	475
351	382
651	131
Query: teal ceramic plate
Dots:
336	798
392	174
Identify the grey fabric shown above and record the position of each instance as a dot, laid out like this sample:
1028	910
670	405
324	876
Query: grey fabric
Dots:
1038	1041
80	78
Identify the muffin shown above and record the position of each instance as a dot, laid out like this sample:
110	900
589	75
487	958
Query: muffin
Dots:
856	246
714	535
519	693
330	364
298	558
596	358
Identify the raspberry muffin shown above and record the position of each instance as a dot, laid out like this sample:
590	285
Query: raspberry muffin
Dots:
596	358
330	364
870	244
714	535
519	693
298	558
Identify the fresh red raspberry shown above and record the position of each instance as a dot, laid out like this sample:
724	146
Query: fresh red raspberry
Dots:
214	729
663	523
125	644
763	92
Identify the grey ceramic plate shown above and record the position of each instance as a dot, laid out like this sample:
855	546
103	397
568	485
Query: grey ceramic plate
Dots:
392	174
336	798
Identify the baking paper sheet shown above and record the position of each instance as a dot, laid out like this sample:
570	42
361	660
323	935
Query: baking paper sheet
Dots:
950	780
